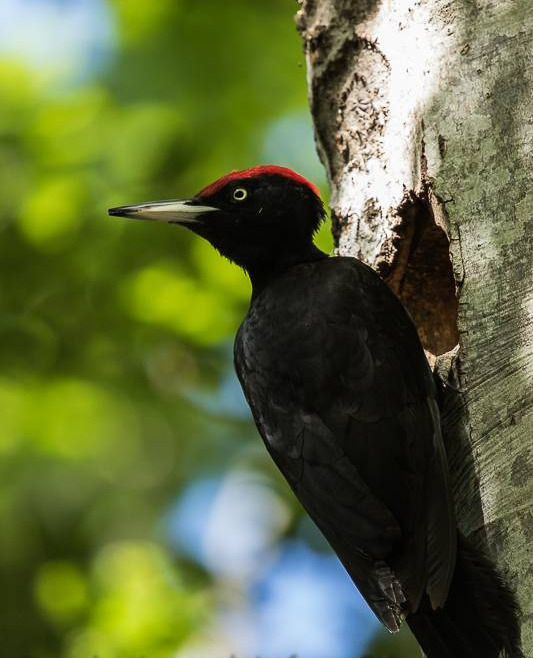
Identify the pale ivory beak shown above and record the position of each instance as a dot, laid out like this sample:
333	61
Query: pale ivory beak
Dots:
177	211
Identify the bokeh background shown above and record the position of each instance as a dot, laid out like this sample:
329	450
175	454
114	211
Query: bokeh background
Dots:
140	516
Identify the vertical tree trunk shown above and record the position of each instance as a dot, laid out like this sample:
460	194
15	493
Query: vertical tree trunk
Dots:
421	119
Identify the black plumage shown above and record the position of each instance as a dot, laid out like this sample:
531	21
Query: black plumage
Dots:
343	397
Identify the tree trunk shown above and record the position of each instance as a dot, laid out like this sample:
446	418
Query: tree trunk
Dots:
421	120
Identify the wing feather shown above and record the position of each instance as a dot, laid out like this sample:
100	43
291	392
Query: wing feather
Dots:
342	395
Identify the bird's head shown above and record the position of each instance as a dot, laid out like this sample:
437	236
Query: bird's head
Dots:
256	217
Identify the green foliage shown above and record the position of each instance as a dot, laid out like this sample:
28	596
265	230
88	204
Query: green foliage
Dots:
107	326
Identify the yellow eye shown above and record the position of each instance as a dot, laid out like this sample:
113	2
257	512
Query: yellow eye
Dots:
239	194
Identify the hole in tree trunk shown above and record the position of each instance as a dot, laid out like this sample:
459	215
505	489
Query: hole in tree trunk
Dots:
416	265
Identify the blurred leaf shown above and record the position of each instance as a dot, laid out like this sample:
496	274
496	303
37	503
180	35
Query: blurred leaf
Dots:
19	93
61	591
228	280
141	607
143	137
70	131
161	294
324	238
138	19
52	213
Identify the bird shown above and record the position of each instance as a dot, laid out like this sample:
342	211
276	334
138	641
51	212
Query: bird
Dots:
342	394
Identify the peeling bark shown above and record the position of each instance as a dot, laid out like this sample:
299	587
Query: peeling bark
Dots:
422	122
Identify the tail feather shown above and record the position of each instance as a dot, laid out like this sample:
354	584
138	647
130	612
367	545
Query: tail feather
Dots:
479	619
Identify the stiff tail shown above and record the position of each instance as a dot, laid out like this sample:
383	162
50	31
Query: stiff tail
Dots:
479	619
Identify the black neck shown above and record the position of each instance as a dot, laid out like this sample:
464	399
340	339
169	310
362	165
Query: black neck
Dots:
262	273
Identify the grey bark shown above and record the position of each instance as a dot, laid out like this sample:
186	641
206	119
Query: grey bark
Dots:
422	120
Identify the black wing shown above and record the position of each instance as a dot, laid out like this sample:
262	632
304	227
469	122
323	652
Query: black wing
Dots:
342	395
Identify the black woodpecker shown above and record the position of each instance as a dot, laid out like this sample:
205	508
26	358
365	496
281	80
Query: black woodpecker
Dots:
343	397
